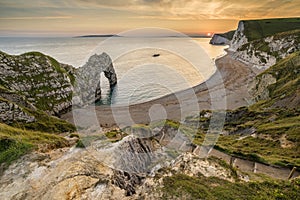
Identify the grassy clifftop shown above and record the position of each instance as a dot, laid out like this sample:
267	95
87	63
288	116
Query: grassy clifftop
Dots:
257	29
228	35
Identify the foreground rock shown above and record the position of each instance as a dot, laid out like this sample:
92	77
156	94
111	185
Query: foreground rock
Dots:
77	174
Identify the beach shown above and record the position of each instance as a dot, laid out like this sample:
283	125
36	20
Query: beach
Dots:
226	89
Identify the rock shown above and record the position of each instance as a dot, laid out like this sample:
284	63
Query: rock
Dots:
10	113
239	38
87	87
219	40
262	52
40	79
47	85
259	88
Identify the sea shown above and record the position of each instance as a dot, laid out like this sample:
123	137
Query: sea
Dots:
147	68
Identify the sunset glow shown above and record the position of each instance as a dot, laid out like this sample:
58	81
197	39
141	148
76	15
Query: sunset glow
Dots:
76	17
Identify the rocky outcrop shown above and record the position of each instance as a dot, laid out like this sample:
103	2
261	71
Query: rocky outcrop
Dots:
279	84
259	87
40	79
36	82
222	39
87	87
266	52
239	37
11	112
261	43
219	40
78	174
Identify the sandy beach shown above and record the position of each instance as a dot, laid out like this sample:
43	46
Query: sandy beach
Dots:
226	89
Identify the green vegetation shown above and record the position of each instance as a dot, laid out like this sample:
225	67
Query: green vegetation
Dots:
41	83
16	142
80	144
44	123
19	137
257	29
228	35
181	186
276	121
115	135
269	130
287	84
273	128
261	45
57	66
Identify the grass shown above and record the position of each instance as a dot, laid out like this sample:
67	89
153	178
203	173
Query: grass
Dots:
45	123
287	76
181	186
257	29
270	119
15	142
269	125
228	35
272	124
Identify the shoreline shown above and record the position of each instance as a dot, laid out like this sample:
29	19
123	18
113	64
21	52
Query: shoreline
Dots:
227	88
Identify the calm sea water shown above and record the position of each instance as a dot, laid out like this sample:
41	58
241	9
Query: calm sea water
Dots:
182	62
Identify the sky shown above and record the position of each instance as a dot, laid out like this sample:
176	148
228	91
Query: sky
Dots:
81	17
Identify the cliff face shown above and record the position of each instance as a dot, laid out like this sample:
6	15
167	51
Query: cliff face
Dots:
239	38
219	40
261	43
222	38
267	51
78	174
40	79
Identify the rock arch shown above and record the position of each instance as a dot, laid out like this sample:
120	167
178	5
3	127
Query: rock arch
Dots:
87	88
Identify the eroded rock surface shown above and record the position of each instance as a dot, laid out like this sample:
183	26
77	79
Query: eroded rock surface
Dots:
87	87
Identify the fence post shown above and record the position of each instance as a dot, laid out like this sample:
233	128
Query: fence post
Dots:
292	173
232	159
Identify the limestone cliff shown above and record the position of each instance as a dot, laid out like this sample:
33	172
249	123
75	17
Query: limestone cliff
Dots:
222	39
78	174
239	37
261	43
40	79
265	52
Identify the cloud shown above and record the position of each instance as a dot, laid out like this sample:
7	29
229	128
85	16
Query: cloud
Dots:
200	9
119	15
35	18
163	9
